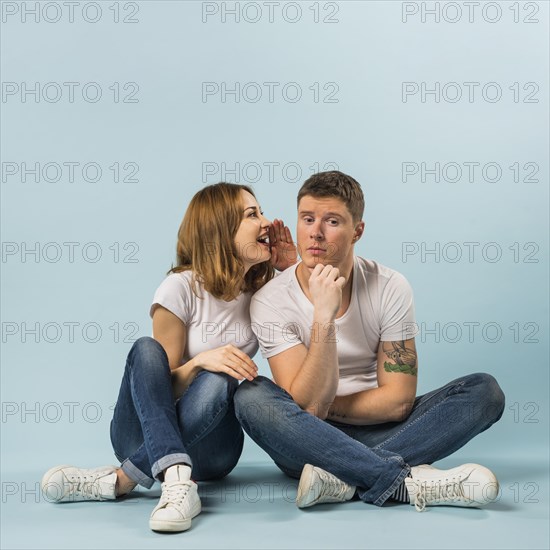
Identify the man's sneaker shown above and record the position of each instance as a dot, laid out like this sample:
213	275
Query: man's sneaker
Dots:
70	484
318	486
179	501
467	485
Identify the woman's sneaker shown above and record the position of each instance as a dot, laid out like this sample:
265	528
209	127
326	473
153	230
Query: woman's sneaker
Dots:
70	484
468	485
179	501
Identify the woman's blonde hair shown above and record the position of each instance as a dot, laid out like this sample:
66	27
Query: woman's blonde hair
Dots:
206	243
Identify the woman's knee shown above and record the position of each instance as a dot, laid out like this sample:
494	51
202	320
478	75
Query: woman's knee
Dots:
210	393
147	352
212	385
146	346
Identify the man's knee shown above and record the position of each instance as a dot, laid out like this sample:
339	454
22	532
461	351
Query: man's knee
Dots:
251	397
490	395
250	394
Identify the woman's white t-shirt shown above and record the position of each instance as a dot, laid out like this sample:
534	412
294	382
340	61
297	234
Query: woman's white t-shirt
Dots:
210	322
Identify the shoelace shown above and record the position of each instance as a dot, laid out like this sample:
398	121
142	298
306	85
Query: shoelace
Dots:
450	490
332	487
85	486
174	493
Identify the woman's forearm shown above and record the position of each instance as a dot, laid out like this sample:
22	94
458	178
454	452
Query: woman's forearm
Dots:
183	376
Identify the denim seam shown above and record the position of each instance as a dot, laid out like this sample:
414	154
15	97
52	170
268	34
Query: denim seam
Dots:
283	452
146	428
393	487
200	435
147	432
408	425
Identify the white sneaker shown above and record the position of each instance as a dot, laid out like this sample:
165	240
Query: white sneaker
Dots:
467	485
318	486
70	484
179	501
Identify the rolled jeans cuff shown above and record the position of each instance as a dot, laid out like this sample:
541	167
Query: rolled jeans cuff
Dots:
393	487
135	474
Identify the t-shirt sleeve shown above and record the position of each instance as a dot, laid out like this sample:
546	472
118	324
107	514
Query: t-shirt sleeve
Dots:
397	310
273	332
174	294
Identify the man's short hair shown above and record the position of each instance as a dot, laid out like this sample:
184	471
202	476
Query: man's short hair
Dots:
339	185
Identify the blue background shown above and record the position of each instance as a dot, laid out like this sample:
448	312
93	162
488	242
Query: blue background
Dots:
58	388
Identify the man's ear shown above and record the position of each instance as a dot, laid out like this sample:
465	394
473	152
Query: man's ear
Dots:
358	233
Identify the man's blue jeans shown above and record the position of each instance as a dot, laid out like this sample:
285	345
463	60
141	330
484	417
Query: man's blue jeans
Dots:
150	431
374	458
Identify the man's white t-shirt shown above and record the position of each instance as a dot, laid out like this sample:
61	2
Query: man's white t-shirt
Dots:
381	309
210	322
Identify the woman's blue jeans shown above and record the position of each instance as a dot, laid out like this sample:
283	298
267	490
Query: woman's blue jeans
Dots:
374	458
150	431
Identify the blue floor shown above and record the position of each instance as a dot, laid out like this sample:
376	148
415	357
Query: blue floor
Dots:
253	507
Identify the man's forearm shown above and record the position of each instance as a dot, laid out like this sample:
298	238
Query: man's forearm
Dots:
314	388
368	407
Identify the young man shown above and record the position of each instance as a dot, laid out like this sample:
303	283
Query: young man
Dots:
342	414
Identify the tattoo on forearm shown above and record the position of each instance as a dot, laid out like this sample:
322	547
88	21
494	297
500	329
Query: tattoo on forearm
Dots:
335	415
405	359
336	412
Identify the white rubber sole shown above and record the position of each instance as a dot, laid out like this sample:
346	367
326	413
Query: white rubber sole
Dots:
175	526
304	496
490	489
48	488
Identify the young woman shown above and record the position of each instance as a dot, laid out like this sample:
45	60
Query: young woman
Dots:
174	417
